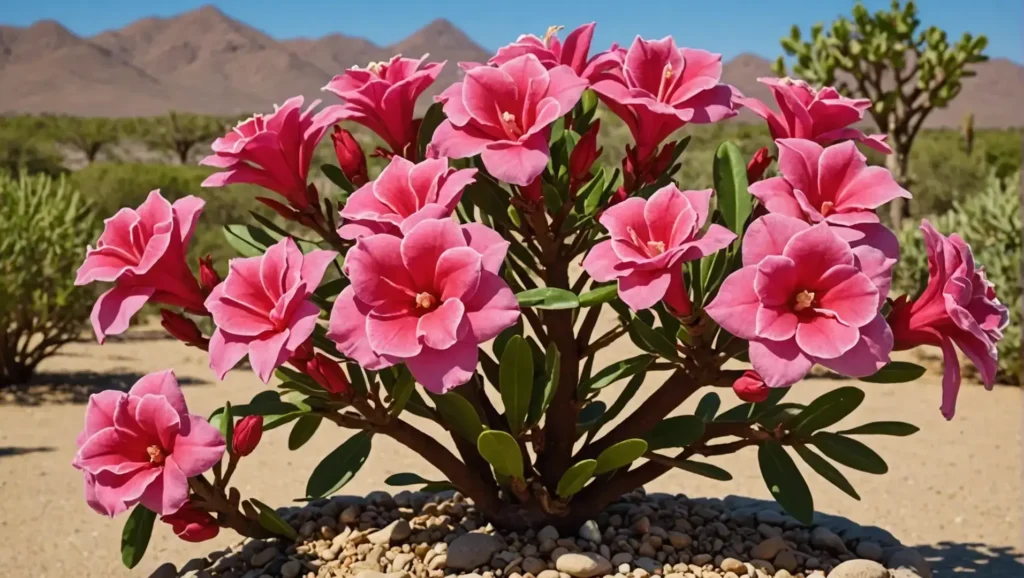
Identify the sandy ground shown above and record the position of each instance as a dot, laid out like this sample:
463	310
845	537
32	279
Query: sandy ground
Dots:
953	490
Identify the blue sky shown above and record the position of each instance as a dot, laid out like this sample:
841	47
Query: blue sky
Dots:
730	26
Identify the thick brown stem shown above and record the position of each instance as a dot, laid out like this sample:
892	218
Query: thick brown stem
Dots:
228	514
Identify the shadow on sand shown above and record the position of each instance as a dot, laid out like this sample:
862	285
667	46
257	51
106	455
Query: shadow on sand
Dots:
9	451
972	559
73	387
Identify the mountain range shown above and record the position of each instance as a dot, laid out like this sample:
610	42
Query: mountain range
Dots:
207	62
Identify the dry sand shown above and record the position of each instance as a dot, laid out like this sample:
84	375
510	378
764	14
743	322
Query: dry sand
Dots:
953	490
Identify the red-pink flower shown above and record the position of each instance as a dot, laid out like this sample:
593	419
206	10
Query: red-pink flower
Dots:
382	97
142	446
263	308
660	88
650	239
584	155
958	308
142	251
191	524
329	375
273	151
751	388
351	158
823	116
758	164
552	52
504	114
246	435
428	190
427	299
833	184
804	296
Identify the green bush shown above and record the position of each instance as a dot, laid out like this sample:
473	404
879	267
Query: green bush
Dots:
990	222
44	228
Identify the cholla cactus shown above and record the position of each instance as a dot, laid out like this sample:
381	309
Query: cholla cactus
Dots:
43	226
461	268
967	132
905	71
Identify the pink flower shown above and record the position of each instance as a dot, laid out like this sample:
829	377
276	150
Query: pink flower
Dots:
552	52
272	151
504	115
957	308
751	388
382	97
428	190
650	239
142	446
804	296
833	184
142	252
660	88
191	524
428	299
263	308
823	116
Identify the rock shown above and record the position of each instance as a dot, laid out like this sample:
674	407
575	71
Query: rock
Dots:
291	569
533	566
812	563
642	525
403	561
769	531
583	565
735	566
622	558
786	561
768	548
590	532
558	553
783	574
679	540
547	533
827	540
771	517
649	564
910	558
394	532
648	550
349	515
549	574
193	564
859	569
903	572
869	550
438	562
702	559
166	570
763	565
263	557
469	551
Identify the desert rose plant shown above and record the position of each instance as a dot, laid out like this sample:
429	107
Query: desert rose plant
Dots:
464	285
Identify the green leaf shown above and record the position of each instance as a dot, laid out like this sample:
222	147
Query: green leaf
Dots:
599	295
303	430
730	178
708	406
785	482
675	432
849	452
826	470
336	176
502	452
548	298
516	382
576	477
627	393
750	411
248	240
406	479
498	347
896	372
227	427
616	371
655	340
135	535
883	428
270	520
401	393
703	469
826	410
431	119
620	455
544	388
340	466
780	414
459	415
331	289
590	416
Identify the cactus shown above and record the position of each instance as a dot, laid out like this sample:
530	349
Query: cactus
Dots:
43	226
967	131
886	57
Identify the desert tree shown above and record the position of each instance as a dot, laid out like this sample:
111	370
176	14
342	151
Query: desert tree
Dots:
888	57
179	132
88	135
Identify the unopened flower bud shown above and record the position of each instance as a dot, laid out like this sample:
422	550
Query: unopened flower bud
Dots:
191	524
302	356
758	164
751	388
247	435
533	192
583	156
208	277
182	328
328	373
350	156
285	211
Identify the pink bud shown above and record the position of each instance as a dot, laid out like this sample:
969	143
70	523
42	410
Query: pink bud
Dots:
329	375
751	388
350	156
758	164
584	156
533	192
182	328
247	435
303	355
280	208
208	277
191	524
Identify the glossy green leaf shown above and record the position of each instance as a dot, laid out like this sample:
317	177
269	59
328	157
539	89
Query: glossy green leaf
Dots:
826	470
675	432
548	298
546	385
616	408
849	452
226	425
599	295
620	455
730	178
708	406
502	452
590	415
248	240
616	371
896	372
336	176
883	428
656	341
270	520
340	466
303	430
431	120
402	391
749	411
703	469
785	481
575	478
826	410
516	382
135	535
498	347
459	415
406	479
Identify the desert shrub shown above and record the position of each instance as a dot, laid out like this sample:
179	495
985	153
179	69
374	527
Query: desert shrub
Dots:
990	222
44	226
26	148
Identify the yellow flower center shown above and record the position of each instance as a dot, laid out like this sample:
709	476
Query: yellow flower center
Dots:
552	30
375	67
425	301
508	122
156	455
804	300
827	208
655	248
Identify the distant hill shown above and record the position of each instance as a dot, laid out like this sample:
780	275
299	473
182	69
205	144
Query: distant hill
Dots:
204	61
